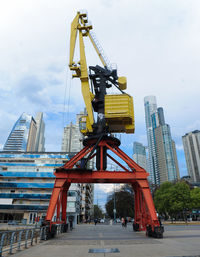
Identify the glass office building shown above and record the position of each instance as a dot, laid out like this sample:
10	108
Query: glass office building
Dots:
27	135
150	108
139	154
162	153
26	183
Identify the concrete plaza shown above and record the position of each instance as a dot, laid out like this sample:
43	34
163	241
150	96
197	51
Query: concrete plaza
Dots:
177	241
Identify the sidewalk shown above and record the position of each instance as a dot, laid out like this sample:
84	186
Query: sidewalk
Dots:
85	238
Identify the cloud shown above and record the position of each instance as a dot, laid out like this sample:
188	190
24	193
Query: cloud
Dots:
154	43
179	147
105	188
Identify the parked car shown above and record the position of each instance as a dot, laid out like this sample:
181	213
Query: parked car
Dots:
102	220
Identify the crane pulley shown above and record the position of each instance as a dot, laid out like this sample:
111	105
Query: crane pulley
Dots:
114	112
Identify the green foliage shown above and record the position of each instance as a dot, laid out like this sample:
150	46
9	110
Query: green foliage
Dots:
176	199
124	200
162	198
195	198
180	198
98	213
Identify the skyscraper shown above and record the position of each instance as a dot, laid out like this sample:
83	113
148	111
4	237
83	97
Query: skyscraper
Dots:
191	145
166	154
40	139
71	141
162	151
23	135
139	155
150	108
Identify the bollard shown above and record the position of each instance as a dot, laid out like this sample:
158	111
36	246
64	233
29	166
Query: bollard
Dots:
11	242
2	243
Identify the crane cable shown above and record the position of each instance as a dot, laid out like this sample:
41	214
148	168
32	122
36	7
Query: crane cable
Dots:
68	81
69	96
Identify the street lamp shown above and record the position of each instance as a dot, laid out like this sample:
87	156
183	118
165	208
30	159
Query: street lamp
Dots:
114	209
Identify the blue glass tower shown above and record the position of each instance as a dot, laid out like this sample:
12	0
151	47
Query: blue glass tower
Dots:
22	135
151	108
162	154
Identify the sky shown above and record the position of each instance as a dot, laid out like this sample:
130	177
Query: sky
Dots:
155	44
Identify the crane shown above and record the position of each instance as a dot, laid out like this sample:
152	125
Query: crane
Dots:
114	115
114	111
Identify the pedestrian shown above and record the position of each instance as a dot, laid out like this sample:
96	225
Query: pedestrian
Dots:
95	221
123	222
71	222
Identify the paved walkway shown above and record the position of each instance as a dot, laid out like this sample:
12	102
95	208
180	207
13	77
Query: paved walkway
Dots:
183	241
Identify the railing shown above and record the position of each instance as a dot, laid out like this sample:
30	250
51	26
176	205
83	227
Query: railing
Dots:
17	240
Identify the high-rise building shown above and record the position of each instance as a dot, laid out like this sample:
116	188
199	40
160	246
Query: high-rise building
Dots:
166	154
175	159
191	145
139	155
72	143
150	108
25	134
40	139
162	151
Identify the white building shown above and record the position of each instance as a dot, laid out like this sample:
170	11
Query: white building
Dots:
40	139
191	145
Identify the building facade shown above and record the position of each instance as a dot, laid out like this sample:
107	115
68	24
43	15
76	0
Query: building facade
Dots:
40	139
27	135
150	106
72	142
139	155
26	184
191	145
162	151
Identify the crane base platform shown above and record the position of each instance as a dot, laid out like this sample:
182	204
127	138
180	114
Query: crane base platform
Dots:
74	171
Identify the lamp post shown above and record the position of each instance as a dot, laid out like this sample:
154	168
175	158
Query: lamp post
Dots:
114	209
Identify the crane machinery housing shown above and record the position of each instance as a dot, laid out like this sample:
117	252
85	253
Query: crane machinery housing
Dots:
114	115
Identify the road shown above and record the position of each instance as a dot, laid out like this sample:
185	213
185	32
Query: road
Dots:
84	239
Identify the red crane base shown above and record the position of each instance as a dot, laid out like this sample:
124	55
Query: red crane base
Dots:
145	213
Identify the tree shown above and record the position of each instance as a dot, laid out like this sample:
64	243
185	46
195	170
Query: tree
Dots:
124	200
98	213
162	199
195	198
180	201
173	199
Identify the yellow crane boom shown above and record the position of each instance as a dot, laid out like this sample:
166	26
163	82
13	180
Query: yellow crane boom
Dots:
117	109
